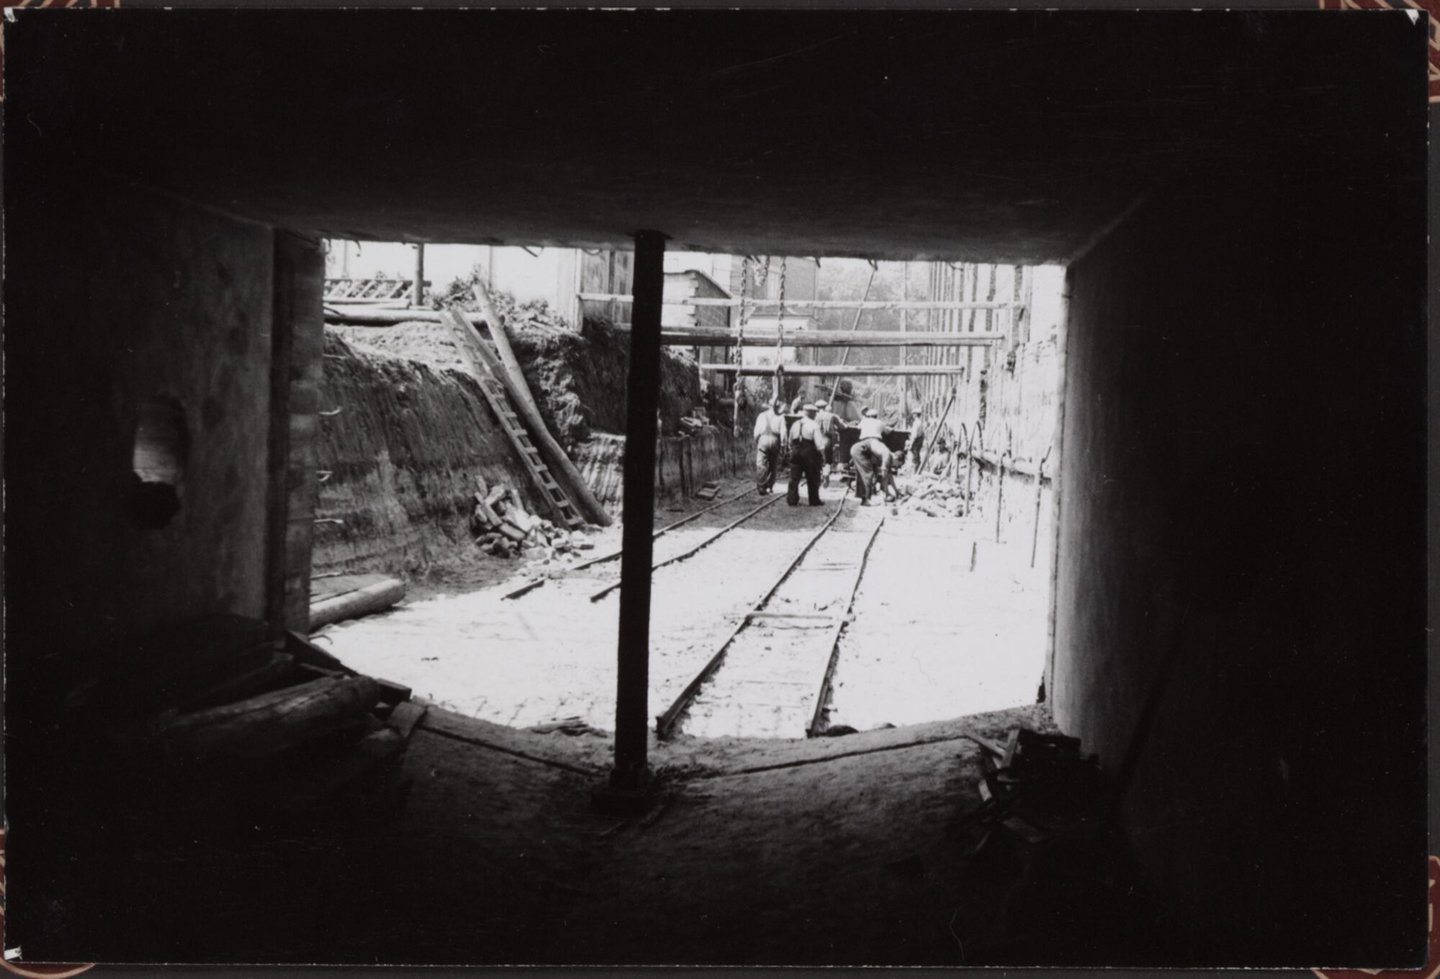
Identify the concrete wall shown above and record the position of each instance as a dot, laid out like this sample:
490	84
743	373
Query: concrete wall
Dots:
1240	625
120	297
296	367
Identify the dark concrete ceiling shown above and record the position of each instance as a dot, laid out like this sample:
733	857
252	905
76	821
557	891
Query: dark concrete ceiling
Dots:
1001	136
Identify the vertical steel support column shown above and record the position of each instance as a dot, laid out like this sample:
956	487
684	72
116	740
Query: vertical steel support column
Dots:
417	288
632	709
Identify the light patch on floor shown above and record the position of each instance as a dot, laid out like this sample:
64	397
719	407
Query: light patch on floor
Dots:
930	638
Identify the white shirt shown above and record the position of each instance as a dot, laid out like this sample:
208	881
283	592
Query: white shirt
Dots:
809	430
768	421
872	428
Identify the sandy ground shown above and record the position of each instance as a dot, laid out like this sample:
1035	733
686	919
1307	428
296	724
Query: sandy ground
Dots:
929	639
829	851
768	850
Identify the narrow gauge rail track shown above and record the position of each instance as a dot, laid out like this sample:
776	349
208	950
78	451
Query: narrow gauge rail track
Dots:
667	724
691	552
540	580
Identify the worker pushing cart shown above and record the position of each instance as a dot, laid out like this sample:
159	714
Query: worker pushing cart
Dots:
873	460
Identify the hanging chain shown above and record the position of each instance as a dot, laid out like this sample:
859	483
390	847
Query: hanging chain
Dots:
780	327
739	387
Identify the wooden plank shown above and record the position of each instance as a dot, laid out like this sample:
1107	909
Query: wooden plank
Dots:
406	715
272	722
685	336
391	691
995	748
500	396
835	370
374	597
797	304
310	654
1010	745
555	457
372	316
324	589
268	674
501	339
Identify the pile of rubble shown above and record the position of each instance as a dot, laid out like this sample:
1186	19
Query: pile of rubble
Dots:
933	496
503	528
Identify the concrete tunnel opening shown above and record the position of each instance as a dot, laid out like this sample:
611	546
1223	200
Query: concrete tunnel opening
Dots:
1234	712
536	662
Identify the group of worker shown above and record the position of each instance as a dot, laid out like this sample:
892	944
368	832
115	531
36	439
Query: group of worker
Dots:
811	442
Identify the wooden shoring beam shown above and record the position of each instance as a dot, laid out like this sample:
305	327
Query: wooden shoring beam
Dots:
690	336
630	771
701	336
336	311
837	370
799	304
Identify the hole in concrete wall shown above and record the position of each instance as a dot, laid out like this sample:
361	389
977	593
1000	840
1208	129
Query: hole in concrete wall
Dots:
162	446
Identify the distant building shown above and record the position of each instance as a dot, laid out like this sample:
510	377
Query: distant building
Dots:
801	274
556	275
560	276
692	284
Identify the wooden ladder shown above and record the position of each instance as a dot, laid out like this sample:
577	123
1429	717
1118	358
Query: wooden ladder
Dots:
560	504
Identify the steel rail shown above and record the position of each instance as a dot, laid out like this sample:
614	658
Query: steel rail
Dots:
666	723
534	583
698	547
817	719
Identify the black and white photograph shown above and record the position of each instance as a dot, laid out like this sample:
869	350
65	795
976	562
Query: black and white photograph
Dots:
716	487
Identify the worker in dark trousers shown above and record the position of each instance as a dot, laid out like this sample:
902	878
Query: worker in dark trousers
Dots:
807	449
769	438
873	459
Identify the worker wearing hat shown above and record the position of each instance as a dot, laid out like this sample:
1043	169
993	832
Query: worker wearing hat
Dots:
915	444
830	425
872	459
807	449
770	437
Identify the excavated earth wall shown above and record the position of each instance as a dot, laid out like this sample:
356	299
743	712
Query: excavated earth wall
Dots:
409	439
403	453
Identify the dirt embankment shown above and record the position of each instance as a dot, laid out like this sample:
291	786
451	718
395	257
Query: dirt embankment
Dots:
578	379
414	431
403	453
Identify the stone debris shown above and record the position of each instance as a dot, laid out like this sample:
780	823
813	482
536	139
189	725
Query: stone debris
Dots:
932	496
503	528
